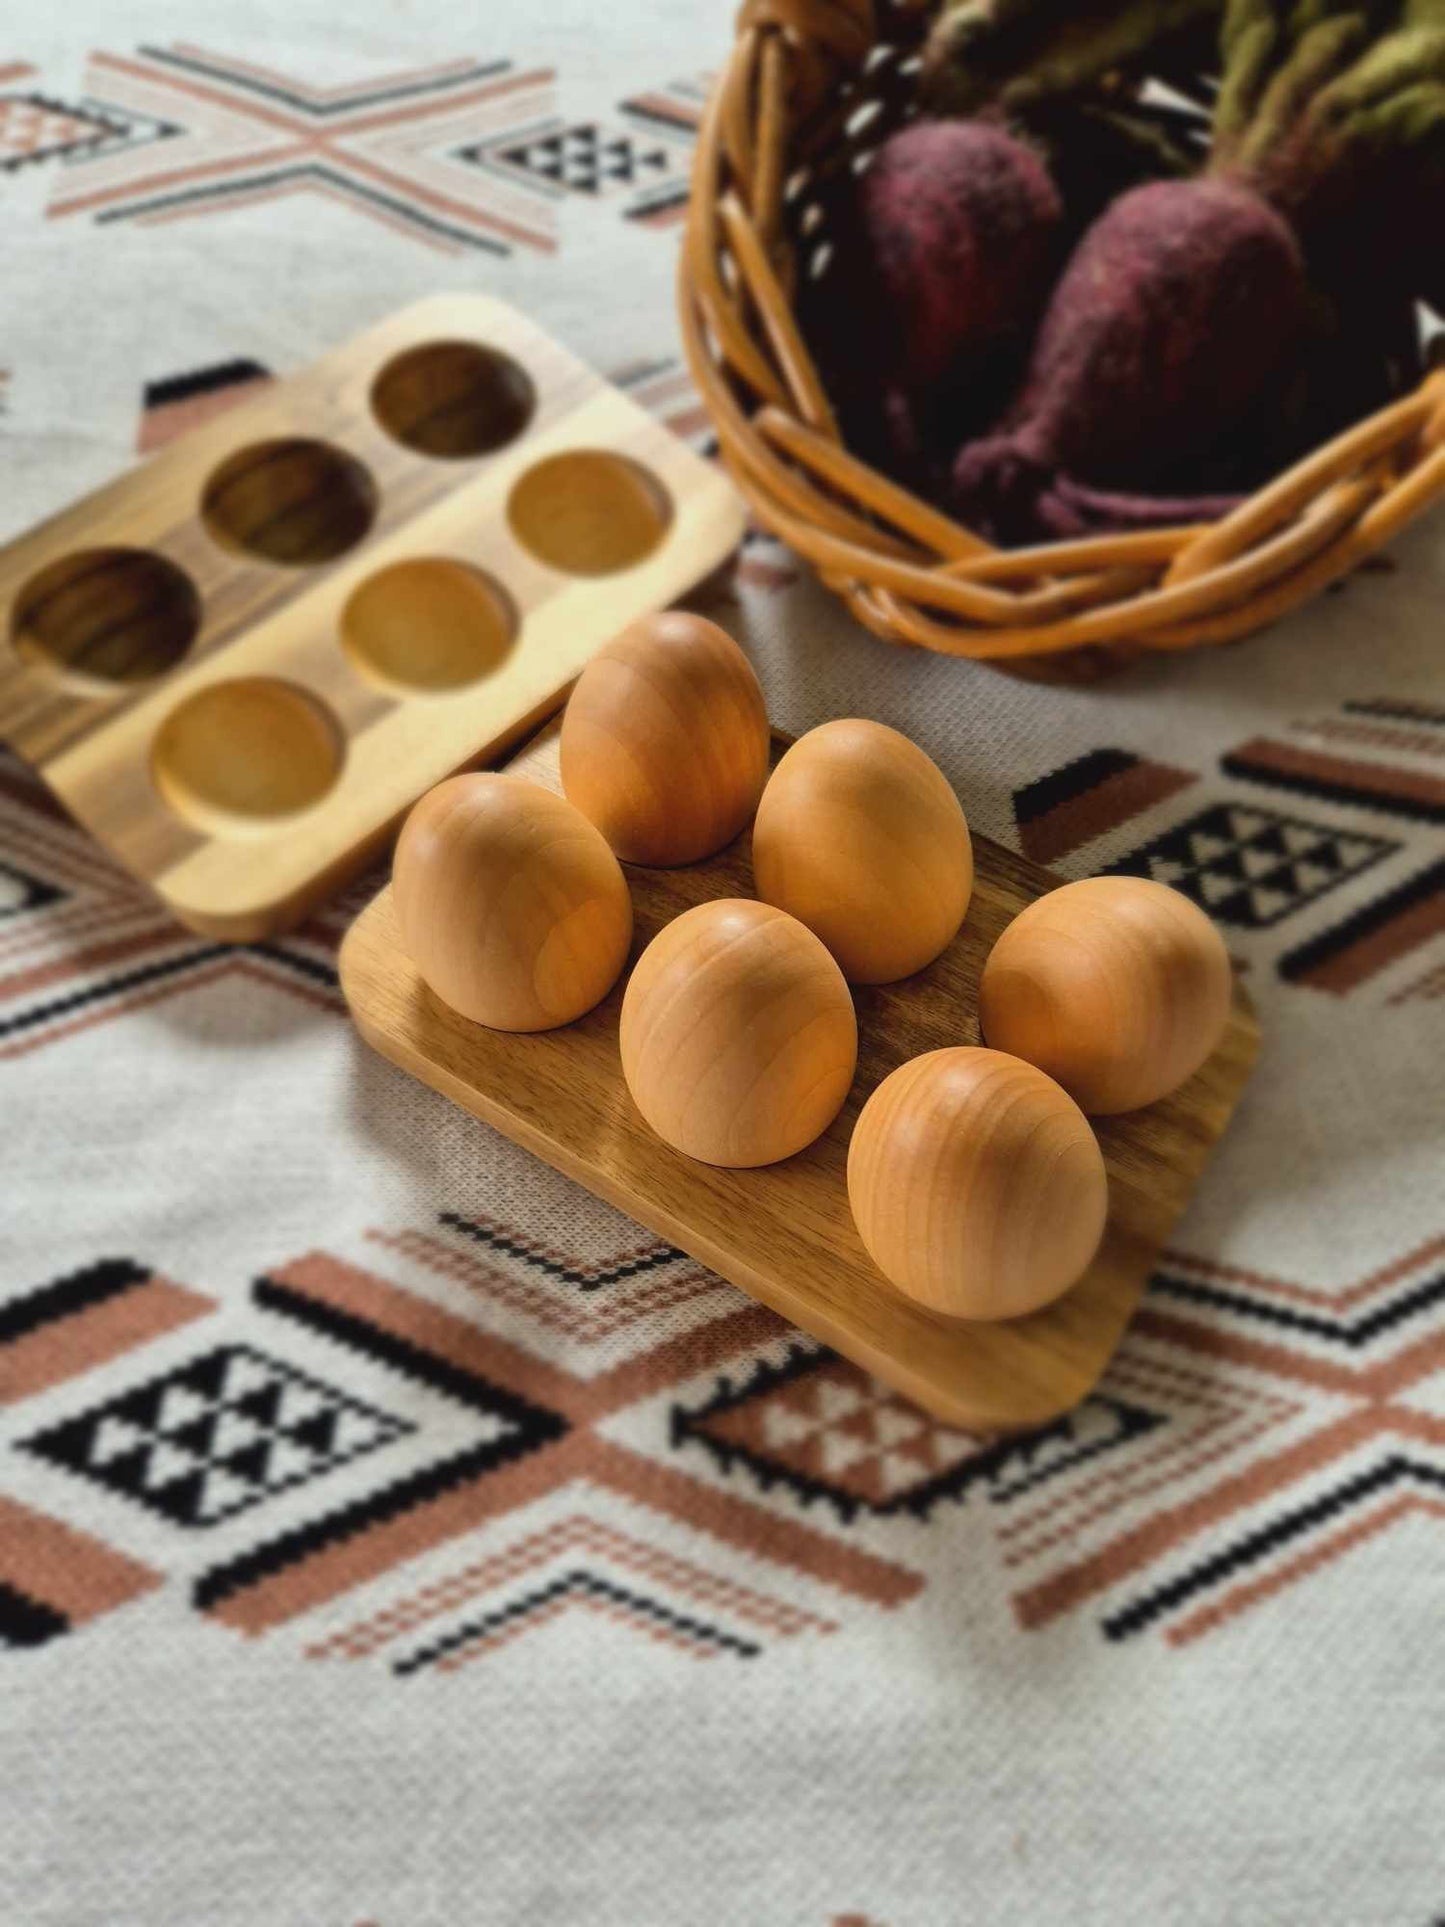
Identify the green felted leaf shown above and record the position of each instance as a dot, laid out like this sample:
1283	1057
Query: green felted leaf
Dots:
1320	53
1019	52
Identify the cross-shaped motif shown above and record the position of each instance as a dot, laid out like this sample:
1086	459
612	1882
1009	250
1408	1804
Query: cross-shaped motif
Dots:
238	134
559	1442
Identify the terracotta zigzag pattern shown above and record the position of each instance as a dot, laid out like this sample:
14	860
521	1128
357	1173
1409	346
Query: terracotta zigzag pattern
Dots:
699	1611
82	945
201	132
1299	1441
1254	1430
374	1454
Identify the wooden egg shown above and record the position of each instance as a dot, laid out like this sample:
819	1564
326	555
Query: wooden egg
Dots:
665	741
510	903
1118	987
860	837
738	1035
976	1184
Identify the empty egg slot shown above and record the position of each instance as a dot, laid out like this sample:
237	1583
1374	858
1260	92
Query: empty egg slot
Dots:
428	625
246	755
111	615
291	500
589	512
453	399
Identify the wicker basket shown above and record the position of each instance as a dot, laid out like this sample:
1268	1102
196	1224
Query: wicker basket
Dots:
808	87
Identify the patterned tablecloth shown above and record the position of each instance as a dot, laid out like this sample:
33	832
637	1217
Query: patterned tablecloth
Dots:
391	1533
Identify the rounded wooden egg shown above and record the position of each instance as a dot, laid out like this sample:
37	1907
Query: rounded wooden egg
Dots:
976	1184
738	1036
665	740
510	903
860	836
1118	987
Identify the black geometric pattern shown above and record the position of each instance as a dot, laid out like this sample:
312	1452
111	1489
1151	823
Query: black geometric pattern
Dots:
504	1427
36	128
570	1585
585	159
288	958
1251	867
1420	1298
593	1278
1396	906
124	128
819	1428
1294	1524
28	1622
78	1291
210	380
217	1436
243	135
21	893
1092	1430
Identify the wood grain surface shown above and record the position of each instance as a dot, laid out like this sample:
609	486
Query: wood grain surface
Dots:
250	552
784	1234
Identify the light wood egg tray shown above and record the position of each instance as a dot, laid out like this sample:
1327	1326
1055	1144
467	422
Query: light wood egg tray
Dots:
784	1234
239	664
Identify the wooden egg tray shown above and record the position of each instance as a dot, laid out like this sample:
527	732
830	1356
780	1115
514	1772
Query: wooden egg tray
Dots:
239	664
784	1234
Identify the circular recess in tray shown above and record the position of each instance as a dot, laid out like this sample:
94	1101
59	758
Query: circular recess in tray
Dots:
428	625
294	501
453	399
246	755
110	615
589	512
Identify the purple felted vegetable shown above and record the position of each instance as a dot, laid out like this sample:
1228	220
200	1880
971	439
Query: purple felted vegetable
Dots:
1179	306
1188	309
943	253
958	221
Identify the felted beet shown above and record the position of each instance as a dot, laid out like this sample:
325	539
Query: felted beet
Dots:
943	251
958	222
1175	312
1184	339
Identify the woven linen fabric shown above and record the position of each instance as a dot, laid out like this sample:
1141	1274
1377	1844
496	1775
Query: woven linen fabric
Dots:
390	1532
